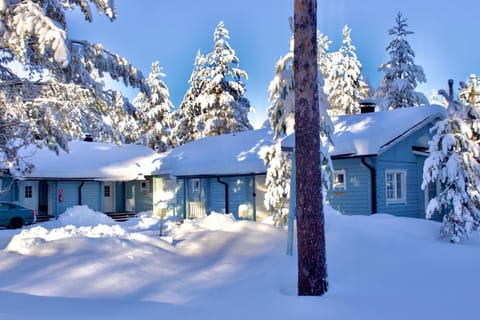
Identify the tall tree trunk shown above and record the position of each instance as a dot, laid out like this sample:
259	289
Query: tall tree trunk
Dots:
312	269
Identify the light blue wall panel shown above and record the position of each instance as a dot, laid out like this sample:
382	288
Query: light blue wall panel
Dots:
356	198
143	199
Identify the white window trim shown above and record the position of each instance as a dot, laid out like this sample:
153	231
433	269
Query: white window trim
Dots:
340	186
144	186
195	185
403	186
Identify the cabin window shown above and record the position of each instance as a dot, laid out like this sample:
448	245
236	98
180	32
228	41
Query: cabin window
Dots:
196	185
339	180
106	191
395	185
28	192
144	186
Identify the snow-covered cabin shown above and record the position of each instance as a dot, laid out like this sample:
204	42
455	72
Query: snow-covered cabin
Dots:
219	173
378	160
106	177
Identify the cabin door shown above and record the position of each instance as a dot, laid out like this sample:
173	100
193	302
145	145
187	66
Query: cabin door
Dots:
109	197
28	194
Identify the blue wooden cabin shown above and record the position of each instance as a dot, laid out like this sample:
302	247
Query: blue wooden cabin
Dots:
378	160
220	173
105	177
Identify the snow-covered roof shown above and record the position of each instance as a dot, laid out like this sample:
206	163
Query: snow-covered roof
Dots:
229	154
372	133
238	153
91	160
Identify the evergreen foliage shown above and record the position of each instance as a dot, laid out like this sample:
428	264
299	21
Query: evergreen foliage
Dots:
281	113
402	75
343	83
62	97
154	112
188	119
215	103
453	163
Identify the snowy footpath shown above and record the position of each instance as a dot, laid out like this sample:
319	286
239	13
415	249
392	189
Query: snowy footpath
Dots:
86	266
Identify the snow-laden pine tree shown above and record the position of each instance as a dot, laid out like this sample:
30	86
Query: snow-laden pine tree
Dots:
154	112
324	60
344	85
402	75
217	104
62	97
224	104
188	123
453	163
281	114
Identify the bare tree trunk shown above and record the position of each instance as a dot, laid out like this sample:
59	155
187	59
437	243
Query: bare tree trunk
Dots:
312	269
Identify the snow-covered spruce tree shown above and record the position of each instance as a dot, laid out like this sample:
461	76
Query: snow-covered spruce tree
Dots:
402	75
62	98
453	162
223	98
188	120
277	181
154	117
324	60
281	113
215	102
343	84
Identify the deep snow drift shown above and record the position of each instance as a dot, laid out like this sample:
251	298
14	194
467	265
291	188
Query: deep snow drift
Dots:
86	266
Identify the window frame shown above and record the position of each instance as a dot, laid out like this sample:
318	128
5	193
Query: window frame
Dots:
340	186
144	186
195	185
395	173
28	192
107	191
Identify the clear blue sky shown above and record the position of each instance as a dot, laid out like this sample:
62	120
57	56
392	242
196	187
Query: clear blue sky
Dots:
445	40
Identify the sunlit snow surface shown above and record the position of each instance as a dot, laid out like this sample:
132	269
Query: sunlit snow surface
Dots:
86	266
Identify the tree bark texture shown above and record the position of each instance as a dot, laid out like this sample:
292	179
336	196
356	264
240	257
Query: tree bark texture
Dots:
312	269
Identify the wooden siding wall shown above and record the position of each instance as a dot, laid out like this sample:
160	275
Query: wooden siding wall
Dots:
261	211
356	198
53	198
120	197
181	200
216	195
401	157
143	200
164	195
92	195
240	191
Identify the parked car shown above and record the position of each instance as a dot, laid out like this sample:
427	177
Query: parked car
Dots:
14	216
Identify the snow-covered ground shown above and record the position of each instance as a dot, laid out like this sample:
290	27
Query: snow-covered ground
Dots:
86	266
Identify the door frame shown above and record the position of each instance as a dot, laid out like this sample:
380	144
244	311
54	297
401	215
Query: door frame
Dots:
108	201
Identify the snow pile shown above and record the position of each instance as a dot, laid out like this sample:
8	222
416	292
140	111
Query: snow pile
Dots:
144	221
77	221
80	216
214	221
379	267
83	222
